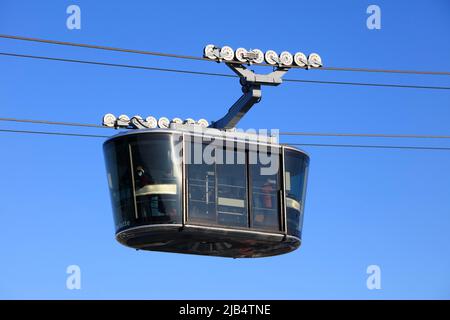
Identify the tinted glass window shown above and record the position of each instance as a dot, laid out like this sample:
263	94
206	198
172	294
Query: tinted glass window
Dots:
120	184
201	186
295	183
156	178
217	185
232	191
265	194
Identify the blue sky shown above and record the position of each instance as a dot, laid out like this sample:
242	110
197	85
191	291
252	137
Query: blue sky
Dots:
385	207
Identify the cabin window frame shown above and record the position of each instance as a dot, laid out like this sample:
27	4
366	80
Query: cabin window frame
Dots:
249	205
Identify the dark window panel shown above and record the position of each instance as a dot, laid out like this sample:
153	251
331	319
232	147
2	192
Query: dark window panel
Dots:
265	195
157	178
120	184
217	192
295	184
144	174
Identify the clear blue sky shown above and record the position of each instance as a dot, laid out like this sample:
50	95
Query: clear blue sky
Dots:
385	207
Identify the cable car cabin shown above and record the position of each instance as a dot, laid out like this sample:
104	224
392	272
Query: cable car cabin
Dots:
216	193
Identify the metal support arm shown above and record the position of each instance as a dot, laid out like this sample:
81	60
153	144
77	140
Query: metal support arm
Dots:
251	87
239	108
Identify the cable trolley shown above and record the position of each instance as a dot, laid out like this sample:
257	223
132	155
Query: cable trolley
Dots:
209	189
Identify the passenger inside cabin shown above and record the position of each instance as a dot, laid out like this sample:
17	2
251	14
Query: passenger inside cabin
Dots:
268	190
